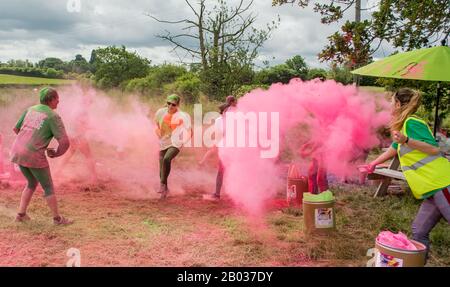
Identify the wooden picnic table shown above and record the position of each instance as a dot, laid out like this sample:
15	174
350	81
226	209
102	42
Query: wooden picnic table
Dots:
388	174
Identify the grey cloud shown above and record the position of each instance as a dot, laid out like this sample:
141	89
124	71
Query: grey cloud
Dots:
37	29
36	15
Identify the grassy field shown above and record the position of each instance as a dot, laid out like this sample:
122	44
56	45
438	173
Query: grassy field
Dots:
113	228
20	80
373	89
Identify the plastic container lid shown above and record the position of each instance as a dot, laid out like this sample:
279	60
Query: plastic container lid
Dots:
325	196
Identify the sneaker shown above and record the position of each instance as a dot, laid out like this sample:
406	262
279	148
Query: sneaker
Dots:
62	221
22	218
211	197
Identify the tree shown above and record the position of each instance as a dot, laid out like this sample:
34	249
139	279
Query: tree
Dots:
294	67
341	74
298	64
157	78
223	40
79	65
405	24
19	63
429	91
53	73
53	63
188	86
351	47
315	73
116	65
92	61
277	74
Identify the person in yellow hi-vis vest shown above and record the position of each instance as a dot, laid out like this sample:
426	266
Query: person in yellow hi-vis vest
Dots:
426	170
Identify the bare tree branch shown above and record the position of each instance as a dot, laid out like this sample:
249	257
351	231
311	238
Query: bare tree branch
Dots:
177	44
165	21
192	8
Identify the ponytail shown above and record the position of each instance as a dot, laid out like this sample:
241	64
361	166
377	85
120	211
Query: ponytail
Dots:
410	101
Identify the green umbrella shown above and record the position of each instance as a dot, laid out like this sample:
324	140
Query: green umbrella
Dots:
429	64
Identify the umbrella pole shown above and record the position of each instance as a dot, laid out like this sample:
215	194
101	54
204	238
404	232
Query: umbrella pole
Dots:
436	114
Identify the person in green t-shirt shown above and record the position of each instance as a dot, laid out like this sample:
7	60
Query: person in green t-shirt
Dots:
168	121
35	129
426	170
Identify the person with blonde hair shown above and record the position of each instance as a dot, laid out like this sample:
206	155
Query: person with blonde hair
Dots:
425	169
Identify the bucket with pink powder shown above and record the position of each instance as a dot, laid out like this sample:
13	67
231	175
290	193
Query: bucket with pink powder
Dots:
397	250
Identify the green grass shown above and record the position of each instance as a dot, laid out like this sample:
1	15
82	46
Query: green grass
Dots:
20	80
111	229
373	89
359	220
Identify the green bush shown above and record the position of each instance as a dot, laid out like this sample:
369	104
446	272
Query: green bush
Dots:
341	75
158	78
52	73
140	85
317	73
114	65
165	74
32	72
244	89
188	86
368	81
276	74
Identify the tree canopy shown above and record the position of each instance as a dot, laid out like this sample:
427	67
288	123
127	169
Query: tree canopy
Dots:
405	24
114	65
224	41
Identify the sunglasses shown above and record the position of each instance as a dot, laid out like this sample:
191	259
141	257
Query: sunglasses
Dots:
171	104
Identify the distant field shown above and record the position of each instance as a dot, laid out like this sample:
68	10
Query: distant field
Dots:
373	89
20	80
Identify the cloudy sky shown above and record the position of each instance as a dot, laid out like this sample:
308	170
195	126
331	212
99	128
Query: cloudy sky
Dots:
35	29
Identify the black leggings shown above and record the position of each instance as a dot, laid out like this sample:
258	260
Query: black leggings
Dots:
165	159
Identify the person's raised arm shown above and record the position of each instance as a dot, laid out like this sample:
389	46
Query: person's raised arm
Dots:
387	155
415	144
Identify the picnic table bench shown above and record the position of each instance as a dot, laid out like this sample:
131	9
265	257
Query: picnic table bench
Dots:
387	174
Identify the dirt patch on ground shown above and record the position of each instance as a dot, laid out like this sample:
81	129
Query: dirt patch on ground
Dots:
122	222
113	229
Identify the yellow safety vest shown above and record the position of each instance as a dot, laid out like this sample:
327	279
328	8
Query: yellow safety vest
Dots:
424	173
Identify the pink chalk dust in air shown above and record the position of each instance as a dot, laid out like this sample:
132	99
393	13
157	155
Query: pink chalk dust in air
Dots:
342	120
120	135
